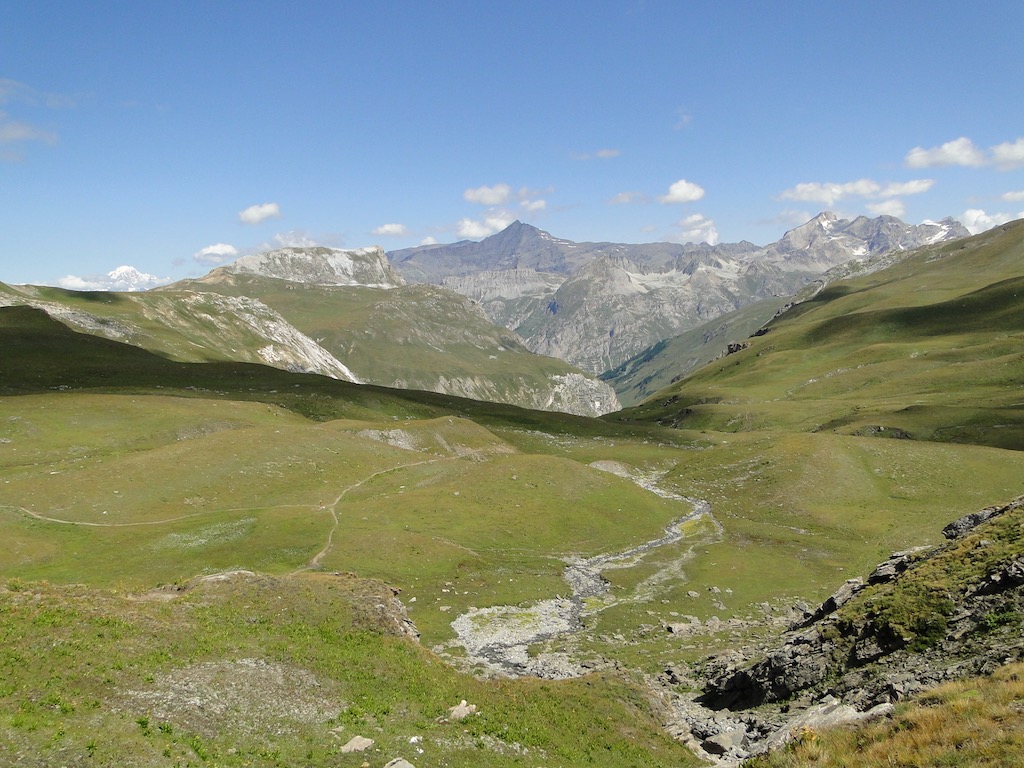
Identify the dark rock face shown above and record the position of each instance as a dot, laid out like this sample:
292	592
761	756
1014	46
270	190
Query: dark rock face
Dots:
867	661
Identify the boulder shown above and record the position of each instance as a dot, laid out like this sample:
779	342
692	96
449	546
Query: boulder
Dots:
461	711
357	744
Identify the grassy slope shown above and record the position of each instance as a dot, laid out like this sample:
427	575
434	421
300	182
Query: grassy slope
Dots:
973	722
412	334
976	722
659	366
930	347
278	672
256	459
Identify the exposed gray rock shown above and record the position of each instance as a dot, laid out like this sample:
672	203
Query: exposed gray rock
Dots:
897	563
322	266
962	525
828	714
597	305
357	744
461	711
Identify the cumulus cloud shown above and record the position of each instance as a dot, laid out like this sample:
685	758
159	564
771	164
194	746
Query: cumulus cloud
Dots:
503	203
962	151
1009	154
499	194
683	191
829	193
957	152
696	229
976	220
255	214
1013	196
218	253
474	229
428	240
913	187
391	230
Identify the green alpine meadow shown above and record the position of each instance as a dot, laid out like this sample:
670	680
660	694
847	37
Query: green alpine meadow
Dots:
214	559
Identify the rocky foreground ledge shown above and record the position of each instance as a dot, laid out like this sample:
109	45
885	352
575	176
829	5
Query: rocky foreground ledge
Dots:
922	617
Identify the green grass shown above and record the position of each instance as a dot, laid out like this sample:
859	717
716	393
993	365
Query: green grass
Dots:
153	471
975	722
91	677
929	349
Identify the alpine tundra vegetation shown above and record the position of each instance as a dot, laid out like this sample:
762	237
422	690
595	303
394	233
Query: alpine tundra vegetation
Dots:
318	508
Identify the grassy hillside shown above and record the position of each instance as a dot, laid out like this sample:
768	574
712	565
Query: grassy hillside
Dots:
668	361
250	670
415	337
123	470
928	349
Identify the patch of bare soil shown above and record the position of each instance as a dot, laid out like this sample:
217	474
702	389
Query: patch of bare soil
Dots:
251	696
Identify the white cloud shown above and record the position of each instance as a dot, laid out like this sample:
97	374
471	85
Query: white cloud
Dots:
294	238
683	191
890	207
976	220
256	214
428	240
913	187
829	193
697	229
499	194
1013	196
534	205
627	198
218	253
391	230
472	229
957	152
1009	154
12	131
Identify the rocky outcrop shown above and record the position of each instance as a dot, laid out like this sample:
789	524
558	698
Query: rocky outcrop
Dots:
922	617
366	267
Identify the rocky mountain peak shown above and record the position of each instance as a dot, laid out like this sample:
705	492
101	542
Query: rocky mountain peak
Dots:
321	266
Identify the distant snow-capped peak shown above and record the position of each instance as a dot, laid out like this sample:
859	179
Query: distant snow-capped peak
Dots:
123	278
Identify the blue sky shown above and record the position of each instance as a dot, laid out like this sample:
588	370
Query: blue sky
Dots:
174	136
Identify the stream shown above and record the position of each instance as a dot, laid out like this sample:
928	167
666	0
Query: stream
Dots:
498	638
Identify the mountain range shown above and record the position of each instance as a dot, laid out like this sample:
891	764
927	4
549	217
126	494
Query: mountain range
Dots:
596	305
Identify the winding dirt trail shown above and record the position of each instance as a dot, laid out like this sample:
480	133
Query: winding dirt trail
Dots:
333	509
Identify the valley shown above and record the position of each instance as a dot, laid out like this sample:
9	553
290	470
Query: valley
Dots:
183	523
